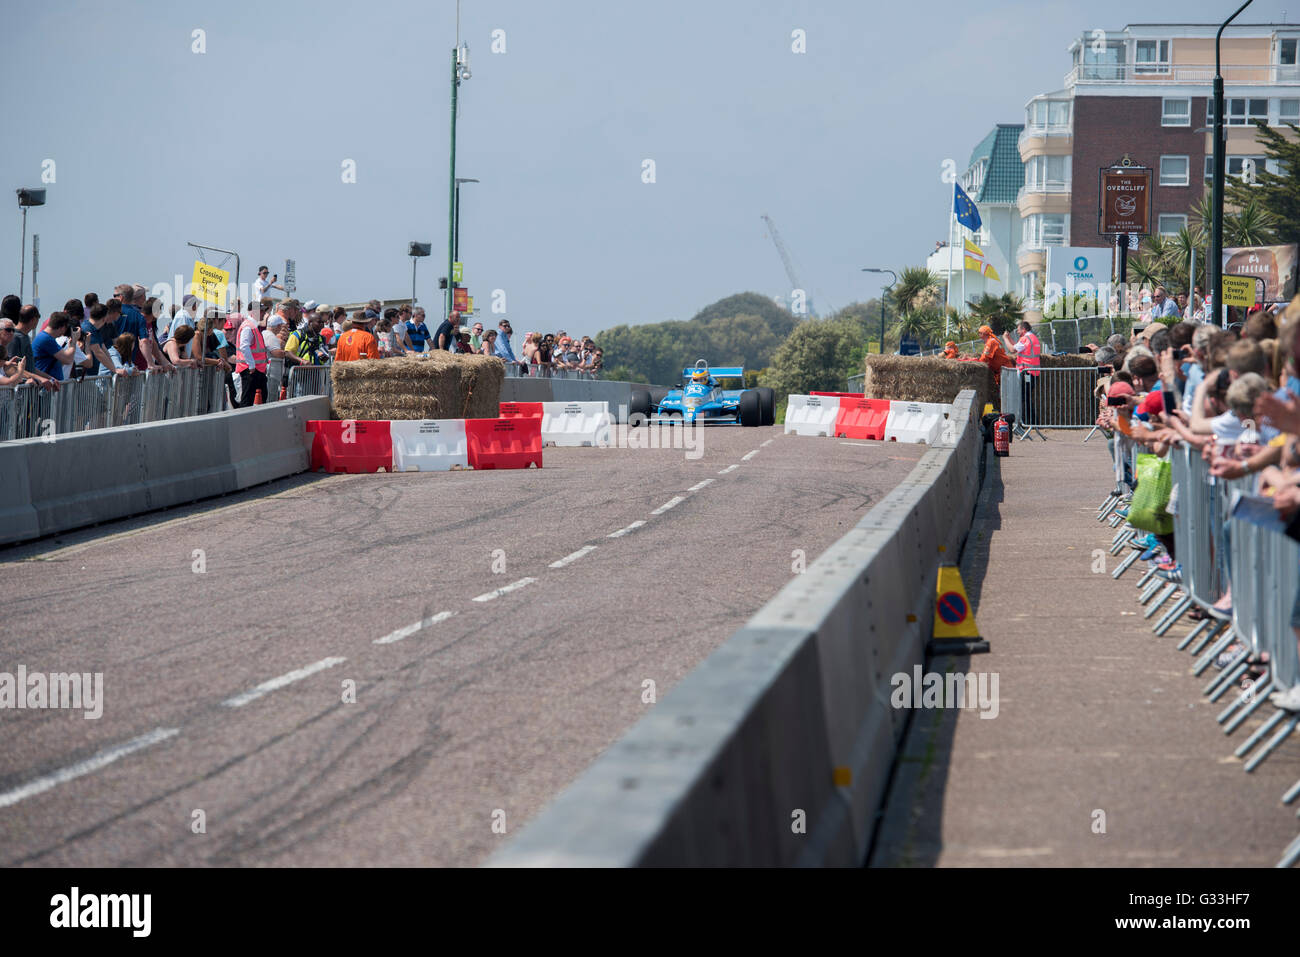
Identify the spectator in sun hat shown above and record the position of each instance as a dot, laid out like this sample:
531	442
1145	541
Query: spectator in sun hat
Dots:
357	342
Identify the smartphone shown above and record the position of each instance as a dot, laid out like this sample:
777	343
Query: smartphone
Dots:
1170	402
1116	400
1105	370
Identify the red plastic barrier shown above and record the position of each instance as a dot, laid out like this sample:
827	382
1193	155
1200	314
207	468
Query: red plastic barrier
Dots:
512	443
514	410
862	418
842	395
350	445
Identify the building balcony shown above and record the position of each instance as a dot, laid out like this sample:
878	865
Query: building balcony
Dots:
1044	189
1180	74
1036	137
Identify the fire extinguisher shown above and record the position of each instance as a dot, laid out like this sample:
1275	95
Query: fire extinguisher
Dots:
1001	437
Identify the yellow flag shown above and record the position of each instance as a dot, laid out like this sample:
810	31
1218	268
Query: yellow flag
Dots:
975	260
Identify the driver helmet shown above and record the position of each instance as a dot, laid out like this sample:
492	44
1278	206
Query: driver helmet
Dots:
700	375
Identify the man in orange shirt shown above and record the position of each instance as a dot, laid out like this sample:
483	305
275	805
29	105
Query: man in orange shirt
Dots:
357	342
993	355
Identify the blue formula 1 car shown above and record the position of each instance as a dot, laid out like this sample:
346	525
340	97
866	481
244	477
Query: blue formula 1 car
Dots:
701	399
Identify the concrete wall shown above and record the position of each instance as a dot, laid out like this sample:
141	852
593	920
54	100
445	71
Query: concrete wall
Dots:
69	481
617	394
716	773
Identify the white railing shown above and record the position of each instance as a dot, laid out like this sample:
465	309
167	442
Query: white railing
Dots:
1040	132
1042	189
1242	74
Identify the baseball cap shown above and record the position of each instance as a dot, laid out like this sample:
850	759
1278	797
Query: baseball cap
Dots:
275	321
309	305
1120	388
371	314
324	308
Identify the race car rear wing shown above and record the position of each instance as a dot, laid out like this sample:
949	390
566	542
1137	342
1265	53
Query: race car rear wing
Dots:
720	372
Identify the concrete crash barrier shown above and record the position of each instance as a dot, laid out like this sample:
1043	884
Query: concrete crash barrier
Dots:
776	750
59	483
576	423
916	422
811	415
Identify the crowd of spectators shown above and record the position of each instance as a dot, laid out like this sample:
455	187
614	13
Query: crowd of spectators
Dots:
132	332
1233	395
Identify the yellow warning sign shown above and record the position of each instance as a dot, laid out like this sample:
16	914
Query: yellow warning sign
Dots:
953	616
209	283
1239	290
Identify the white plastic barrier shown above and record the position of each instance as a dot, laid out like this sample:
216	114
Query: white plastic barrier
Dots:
576	423
916	422
812	414
429	445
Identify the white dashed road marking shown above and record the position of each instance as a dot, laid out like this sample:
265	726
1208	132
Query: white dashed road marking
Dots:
671	503
768	442
729	468
748	455
623	531
266	687
570	559
409	630
505	589
699	485
81	768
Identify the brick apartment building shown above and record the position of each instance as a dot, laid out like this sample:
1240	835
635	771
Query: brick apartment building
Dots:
1145	91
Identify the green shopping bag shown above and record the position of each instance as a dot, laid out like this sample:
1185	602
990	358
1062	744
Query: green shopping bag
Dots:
1155	482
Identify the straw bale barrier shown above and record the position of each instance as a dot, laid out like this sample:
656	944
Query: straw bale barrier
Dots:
438	386
926	379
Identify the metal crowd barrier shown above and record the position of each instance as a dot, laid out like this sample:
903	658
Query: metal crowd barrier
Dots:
97	402
1058	399
1260	567
309	380
514	371
274	378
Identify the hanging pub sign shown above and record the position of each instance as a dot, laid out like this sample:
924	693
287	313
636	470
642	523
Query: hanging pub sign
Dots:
1124	192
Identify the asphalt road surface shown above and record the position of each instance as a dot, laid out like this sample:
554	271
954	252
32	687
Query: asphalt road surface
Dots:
390	669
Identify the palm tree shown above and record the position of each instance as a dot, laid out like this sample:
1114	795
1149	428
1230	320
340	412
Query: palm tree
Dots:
915	285
924	325
999	313
1251	225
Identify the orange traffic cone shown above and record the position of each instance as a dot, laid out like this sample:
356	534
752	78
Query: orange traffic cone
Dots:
257	397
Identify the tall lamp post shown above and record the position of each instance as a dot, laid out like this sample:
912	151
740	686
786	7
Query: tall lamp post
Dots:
417	251
456	241
459	71
26	197
1214	268
883	299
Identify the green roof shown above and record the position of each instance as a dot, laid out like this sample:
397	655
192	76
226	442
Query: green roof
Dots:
1006	172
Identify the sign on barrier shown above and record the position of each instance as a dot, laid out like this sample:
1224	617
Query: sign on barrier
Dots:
576	423
862	418
513	410
811	415
430	445
916	422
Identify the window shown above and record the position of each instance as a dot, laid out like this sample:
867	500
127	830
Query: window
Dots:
1105	63
1174	171
1171	223
1152	57
1045	229
1286	52
1029	286
1049	113
1048	174
1235	166
1239	111
1176	111
1288	111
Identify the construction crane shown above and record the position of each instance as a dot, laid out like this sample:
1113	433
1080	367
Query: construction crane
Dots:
795	284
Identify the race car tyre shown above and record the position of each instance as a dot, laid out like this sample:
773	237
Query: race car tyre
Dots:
751	408
769	404
638	409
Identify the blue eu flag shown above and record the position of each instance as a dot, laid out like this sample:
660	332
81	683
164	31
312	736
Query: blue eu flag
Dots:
966	212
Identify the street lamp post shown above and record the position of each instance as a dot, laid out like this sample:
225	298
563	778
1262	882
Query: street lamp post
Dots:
26	198
456	242
883	300
416	251
459	71
1214	268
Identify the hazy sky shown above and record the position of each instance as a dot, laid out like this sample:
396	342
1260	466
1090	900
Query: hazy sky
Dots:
243	146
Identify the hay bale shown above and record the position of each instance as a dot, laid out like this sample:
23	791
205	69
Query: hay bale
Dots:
438	385
928	379
1068	360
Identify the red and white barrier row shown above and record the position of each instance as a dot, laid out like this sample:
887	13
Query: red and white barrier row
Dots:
851	415
429	445
566	423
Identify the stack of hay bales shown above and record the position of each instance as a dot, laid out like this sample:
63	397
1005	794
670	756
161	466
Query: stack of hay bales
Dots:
438	385
928	379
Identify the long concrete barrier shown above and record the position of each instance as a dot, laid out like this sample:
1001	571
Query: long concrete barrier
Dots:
776	750
62	482
535	389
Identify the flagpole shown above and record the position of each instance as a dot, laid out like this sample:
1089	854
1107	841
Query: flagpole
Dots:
963	270
947	288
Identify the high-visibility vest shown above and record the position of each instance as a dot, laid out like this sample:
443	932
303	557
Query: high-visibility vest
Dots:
1030	358
259	347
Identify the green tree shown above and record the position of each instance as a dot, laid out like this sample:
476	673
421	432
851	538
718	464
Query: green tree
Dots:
1276	194
999	313
817	356
916	287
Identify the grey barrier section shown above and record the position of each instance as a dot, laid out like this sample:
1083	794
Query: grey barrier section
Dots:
69	481
274	378
310	380
1061	398
617	394
795	699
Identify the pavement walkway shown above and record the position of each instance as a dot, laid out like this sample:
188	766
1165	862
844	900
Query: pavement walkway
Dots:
1103	751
